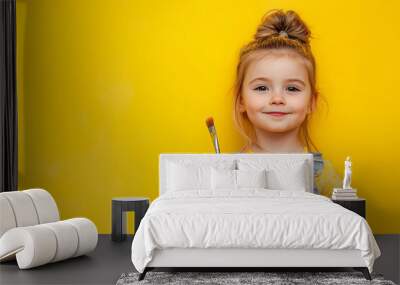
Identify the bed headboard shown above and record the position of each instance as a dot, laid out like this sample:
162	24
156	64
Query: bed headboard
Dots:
216	158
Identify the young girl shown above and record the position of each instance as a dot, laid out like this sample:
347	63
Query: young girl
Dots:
275	93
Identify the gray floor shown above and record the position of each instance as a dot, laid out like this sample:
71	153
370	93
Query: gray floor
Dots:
389	262
111	259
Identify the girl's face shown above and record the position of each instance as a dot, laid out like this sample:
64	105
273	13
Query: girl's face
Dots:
276	93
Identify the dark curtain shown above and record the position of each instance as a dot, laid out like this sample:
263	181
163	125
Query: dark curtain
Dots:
8	99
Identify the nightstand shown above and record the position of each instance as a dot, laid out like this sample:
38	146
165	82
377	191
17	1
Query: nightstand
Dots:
119	208
357	205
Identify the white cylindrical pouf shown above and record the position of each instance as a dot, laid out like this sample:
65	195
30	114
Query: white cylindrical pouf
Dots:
67	239
87	233
45	205
31	232
23	208
7	218
36	245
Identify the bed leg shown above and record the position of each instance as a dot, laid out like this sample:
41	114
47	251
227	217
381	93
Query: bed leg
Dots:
364	271
143	274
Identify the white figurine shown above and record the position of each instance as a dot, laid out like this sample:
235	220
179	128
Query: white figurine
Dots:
347	174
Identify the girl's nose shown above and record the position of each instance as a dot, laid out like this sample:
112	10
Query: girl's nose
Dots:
277	98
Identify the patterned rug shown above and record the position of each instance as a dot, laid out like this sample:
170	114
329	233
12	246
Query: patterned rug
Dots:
229	278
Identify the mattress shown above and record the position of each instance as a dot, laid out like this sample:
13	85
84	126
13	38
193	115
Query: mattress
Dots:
253	218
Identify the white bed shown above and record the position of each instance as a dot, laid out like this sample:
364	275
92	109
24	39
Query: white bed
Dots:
248	226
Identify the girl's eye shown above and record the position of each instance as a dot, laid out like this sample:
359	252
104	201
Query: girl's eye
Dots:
293	89
261	88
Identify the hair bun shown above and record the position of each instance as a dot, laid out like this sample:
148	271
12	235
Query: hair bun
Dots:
278	23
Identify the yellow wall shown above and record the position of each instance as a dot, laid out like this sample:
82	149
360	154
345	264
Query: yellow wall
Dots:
104	87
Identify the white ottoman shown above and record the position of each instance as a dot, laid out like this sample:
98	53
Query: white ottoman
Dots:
31	232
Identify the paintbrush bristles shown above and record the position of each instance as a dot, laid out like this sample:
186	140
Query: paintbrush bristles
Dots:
210	122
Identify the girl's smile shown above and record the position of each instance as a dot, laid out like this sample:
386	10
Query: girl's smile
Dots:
276	114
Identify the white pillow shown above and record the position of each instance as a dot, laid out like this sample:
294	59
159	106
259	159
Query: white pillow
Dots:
251	178
288	179
282	174
236	179
223	178
187	177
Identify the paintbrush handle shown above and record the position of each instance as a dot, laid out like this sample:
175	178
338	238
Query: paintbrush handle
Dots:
216	144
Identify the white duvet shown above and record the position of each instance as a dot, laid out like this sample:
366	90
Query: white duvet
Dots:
250	218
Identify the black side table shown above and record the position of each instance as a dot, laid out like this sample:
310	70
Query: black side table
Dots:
357	206
121	205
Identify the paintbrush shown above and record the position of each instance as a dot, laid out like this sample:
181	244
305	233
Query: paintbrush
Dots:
213	133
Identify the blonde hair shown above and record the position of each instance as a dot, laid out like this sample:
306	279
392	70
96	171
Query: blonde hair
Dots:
278	30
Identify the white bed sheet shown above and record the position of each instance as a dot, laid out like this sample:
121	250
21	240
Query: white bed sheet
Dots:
250	218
